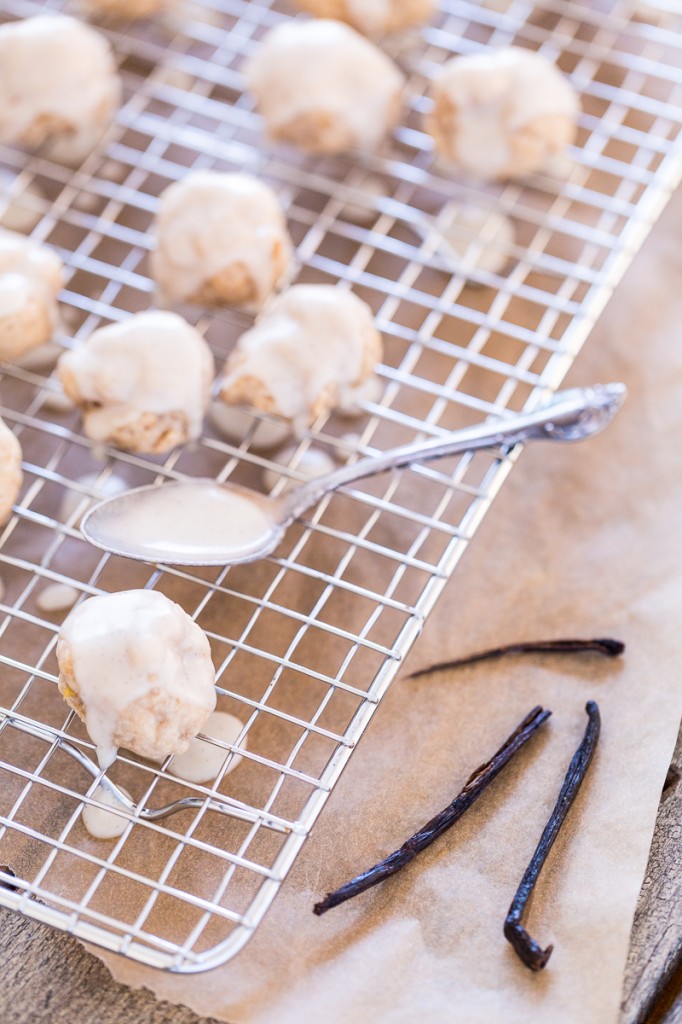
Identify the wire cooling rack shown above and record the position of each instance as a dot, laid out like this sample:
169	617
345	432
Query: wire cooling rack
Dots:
307	642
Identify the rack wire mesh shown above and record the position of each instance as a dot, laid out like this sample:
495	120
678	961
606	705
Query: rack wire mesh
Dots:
307	642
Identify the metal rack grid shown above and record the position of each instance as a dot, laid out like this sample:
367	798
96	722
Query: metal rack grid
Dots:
307	642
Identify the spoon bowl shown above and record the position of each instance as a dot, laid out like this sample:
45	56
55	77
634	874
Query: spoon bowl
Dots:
202	522
187	522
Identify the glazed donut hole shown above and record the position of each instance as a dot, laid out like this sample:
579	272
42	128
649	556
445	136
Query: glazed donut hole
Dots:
307	354
59	84
31	277
501	114
220	239
142	385
138	671
322	86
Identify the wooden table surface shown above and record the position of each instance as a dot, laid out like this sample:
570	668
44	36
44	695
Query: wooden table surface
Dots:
49	976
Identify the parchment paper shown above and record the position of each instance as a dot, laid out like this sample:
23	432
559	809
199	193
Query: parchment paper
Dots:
584	540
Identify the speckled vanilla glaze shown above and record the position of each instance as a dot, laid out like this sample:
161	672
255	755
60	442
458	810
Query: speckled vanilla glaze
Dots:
373	17
221	238
476	238
312	344
143	384
10	471
57	597
235	423
202	761
57	77
30	280
138	671
502	113
103	824
312	463
322	86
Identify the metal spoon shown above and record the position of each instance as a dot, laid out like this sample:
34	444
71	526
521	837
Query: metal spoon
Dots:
201	522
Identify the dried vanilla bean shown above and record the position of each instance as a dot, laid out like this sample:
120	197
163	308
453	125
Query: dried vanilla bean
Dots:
604	645
8	885
525	946
442	821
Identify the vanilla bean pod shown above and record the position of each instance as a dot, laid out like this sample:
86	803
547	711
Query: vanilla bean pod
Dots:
603	645
8	885
525	946
442	821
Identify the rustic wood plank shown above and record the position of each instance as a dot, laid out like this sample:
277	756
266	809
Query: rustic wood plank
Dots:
49	978
655	958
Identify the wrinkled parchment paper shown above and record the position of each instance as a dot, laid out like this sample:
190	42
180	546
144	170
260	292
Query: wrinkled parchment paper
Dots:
583	540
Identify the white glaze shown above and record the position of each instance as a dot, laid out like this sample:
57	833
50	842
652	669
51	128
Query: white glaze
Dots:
323	67
35	262
234	422
477	238
353	397
57	597
152	363
193	520
54	69
312	342
351	443
15	293
125	646
202	761
372	189
312	463
496	93
73	500
103	824
210	221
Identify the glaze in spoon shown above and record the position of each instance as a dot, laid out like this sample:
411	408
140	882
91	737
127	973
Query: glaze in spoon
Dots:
201	522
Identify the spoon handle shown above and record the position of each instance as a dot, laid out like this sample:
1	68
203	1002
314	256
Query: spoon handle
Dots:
570	416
